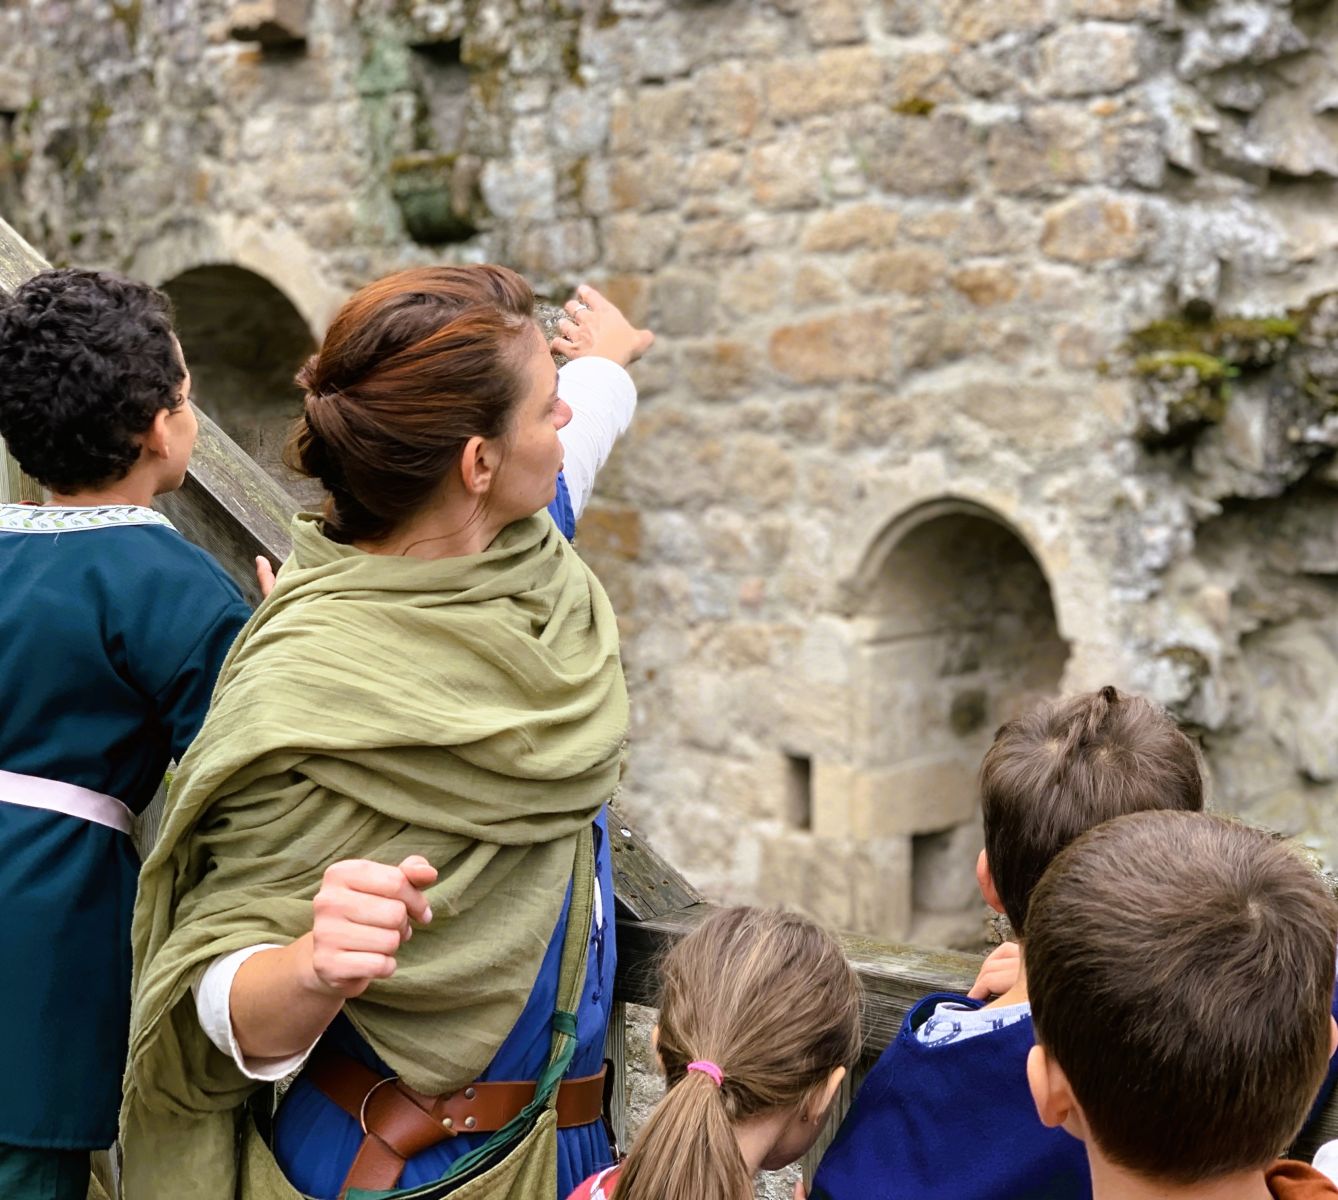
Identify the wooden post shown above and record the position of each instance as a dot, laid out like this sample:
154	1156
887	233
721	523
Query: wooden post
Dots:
615	1050
15	486
18	260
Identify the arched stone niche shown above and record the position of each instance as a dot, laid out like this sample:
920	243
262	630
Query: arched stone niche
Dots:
244	341
954	632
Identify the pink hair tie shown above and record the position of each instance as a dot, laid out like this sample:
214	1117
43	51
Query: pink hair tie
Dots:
708	1068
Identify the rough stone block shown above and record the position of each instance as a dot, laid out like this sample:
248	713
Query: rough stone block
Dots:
639	243
918	156
852	345
269	22
631	293
911	270
15	89
981	20
858	226
1121	10
986	284
682	302
611	529
832	81
715	238
1093	228
944	870
755	285
918	80
817	288
713	171
655	117
728	102
721	369
649	182
784	174
1088	59
520	189
919	795
862	887
903	18
832	22
1048	150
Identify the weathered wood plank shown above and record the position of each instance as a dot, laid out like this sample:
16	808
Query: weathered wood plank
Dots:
231	507
646	884
615	1050
894	977
18	260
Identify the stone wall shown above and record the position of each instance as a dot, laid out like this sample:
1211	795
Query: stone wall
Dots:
993	358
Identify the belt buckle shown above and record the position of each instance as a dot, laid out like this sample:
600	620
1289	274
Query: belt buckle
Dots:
371	1091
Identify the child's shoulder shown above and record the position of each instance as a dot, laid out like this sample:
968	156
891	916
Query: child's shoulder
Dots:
598	1187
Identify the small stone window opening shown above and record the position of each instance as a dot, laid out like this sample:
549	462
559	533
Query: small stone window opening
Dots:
799	791
441	54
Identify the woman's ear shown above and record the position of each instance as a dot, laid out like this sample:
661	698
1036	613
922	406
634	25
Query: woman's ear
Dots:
478	465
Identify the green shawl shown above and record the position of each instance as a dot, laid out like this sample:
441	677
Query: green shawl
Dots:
468	709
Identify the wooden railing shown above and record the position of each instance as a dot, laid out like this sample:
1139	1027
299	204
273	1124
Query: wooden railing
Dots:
236	511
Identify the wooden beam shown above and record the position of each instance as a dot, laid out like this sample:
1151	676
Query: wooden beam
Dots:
894	977
18	261
647	886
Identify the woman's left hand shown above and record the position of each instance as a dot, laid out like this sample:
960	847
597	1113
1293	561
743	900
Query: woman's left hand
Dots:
595	326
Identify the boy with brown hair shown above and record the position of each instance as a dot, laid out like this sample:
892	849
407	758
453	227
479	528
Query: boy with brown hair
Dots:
945	1113
1181	968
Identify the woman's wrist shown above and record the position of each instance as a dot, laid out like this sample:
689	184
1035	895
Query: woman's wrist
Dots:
279	1004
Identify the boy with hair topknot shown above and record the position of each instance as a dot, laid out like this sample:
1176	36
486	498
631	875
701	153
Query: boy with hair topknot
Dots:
1180	968
945	1113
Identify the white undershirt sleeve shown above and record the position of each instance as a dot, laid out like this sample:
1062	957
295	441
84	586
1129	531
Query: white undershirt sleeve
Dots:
1326	1160
602	398
213	1005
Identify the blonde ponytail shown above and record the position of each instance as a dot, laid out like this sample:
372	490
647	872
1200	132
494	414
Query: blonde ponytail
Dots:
769	999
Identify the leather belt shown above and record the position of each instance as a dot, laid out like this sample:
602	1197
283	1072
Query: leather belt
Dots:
399	1123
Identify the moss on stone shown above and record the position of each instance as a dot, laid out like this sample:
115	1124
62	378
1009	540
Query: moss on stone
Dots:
1245	342
128	14
1170	363
914	106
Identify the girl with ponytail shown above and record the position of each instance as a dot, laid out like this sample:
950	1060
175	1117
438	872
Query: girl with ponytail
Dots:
759	1022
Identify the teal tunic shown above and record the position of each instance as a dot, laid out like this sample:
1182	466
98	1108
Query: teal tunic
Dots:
113	628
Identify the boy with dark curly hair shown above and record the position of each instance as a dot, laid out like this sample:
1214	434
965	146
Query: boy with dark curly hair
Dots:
113	628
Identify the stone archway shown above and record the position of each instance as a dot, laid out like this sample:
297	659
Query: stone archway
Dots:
244	341
955	633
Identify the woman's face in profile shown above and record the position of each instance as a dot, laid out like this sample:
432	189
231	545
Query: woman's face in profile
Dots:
532	451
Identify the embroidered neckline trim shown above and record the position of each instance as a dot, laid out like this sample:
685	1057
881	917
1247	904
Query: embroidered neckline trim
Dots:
26	518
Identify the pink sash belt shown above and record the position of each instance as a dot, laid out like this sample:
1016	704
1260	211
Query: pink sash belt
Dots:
33	792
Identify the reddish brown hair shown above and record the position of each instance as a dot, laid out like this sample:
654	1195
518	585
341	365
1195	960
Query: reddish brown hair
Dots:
1069	765
413	366
1180	971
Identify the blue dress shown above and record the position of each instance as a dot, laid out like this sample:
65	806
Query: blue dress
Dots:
113	628
315	1140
